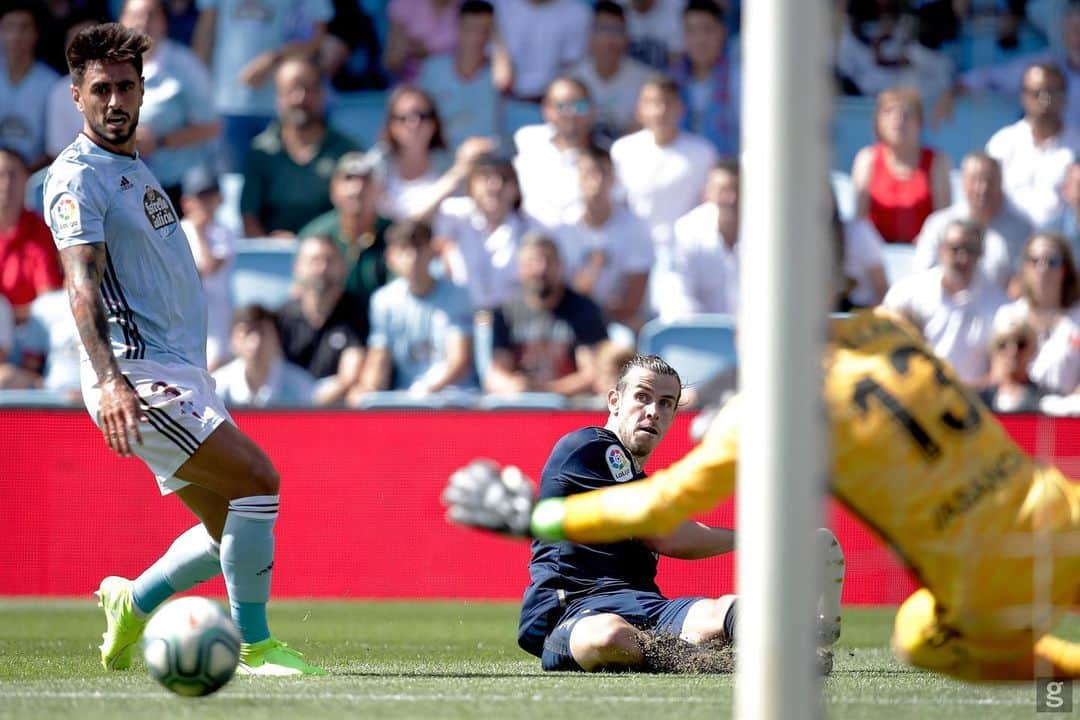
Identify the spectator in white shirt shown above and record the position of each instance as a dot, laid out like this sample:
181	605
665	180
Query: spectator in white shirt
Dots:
661	168
413	164
607	253
1036	151
213	247
53	311
1007	78
479	233
864	264
544	38
1005	228
952	304
260	376
705	273
546	161
614	79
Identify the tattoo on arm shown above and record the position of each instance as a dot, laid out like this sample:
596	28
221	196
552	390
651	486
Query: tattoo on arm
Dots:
84	266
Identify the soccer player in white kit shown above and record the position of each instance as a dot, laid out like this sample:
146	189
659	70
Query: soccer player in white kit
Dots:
139	306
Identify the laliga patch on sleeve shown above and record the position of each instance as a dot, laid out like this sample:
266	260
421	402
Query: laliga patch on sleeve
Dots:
620	466
65	215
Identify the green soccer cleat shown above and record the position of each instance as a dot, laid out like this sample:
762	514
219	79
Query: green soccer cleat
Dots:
272	657
123	627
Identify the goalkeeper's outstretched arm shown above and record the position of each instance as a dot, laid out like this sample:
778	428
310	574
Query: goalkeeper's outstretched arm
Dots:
652	507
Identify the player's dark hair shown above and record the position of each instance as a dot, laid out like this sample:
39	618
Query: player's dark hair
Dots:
709	7
476	7
14	154
409	232
253	315
1050	69
539	239
323	240
582	87
728	164
609	7
25	6
597	154
652	363
1070	282
107	43
664	83
501	165
970	228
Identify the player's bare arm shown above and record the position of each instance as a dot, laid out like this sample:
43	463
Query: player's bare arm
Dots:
119	409
694	541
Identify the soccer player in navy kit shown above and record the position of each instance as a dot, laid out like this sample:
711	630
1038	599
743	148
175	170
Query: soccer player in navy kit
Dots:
139	306
587	604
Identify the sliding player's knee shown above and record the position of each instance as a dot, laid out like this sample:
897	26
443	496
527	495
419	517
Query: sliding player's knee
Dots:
707	620
605	640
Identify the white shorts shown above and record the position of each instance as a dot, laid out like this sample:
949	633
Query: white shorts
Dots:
181	410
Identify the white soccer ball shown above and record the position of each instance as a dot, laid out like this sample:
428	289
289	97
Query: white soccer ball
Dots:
191	646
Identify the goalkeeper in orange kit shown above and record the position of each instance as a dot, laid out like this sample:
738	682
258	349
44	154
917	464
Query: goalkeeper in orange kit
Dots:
992	536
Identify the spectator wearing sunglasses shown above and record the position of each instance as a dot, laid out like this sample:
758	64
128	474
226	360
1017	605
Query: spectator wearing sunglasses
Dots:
413	162
953	304
547	154
1048	301
1036	151
1010	387
662	169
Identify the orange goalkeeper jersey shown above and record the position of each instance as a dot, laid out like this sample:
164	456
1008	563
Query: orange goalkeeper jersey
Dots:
918	458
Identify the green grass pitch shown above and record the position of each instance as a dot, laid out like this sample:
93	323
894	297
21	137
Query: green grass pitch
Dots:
437	660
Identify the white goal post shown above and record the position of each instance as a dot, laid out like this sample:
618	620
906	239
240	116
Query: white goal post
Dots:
784	256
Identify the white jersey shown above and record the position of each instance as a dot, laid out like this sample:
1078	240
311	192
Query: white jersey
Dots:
151	289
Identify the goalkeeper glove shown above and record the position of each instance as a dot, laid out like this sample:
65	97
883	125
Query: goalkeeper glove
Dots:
485	496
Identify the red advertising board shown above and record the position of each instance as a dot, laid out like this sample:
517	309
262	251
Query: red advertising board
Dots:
360	512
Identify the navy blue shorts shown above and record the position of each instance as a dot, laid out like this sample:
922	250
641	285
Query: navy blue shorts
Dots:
643	610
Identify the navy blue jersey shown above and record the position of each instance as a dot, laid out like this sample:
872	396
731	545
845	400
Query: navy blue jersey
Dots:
583	460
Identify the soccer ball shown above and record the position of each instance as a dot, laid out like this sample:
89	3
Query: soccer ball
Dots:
191	646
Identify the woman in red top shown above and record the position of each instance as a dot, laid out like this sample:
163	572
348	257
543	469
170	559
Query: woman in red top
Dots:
898	182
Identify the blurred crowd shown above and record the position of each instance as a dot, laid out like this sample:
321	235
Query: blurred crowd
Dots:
541	179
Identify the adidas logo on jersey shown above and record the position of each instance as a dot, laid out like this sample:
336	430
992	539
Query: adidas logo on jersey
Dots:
125	184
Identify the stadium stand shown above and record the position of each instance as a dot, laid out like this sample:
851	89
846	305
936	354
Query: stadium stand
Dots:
359	115
975	118
852	129
844	192
37	398
262	272
405	400
699	347
228	213
523	401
